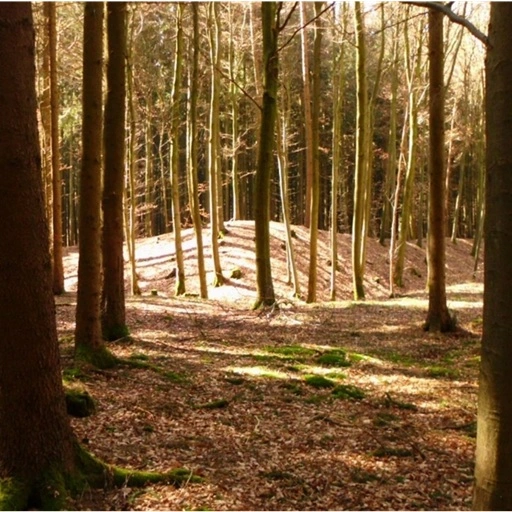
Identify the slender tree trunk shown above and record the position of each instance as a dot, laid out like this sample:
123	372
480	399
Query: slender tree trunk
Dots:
192	156
113	301
315	177
493	470
308	119
358	238
58	266
130	213
213	146
89	345
179	288
438	316
270	24
282	161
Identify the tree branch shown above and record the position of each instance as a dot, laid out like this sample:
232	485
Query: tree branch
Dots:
305	25
446	10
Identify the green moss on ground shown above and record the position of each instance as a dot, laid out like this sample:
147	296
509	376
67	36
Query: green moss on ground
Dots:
317	381
100	358
79	403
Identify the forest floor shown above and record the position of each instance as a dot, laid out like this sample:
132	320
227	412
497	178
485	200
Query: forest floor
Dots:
335	405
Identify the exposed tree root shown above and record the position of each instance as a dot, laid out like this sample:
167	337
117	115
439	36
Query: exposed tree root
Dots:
53	489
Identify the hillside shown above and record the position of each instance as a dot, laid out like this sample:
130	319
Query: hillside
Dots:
155	261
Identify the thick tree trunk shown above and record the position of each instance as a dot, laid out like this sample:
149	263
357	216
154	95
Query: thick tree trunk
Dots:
493	472
113	300
36	441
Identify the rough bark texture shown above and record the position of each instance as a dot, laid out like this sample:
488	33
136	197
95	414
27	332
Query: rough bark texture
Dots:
265	165
113	301
438	316
493	485
35	435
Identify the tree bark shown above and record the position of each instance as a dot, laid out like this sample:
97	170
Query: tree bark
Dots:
493	471
113	300
89	343
438	316
36	441
265	288
58	266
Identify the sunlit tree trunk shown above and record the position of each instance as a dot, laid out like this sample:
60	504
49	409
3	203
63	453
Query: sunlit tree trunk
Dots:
213	144
131	200
179	288
361	166
113	301
438	316
315	151
192	152
392	161
493	470
270	25
413	72
89	343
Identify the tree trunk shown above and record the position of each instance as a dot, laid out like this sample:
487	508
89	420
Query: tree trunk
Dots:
192	153
493	472
113	301
36	441
270	24
438	316
361	167
58	267
315	152
213	146
89	343
179	288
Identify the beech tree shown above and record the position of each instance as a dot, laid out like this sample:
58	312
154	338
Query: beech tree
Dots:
493	471
438	316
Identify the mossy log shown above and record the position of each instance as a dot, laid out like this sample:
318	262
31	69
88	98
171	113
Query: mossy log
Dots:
53	489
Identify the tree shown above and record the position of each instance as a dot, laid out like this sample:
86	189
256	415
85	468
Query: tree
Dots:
438	316
192	151
113	302
315	151
214	143
175	150
58	267
493	472
270	27
361	169
40	458
36	440
89	343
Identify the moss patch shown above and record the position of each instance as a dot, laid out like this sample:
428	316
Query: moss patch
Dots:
317	381
334	358
348	392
